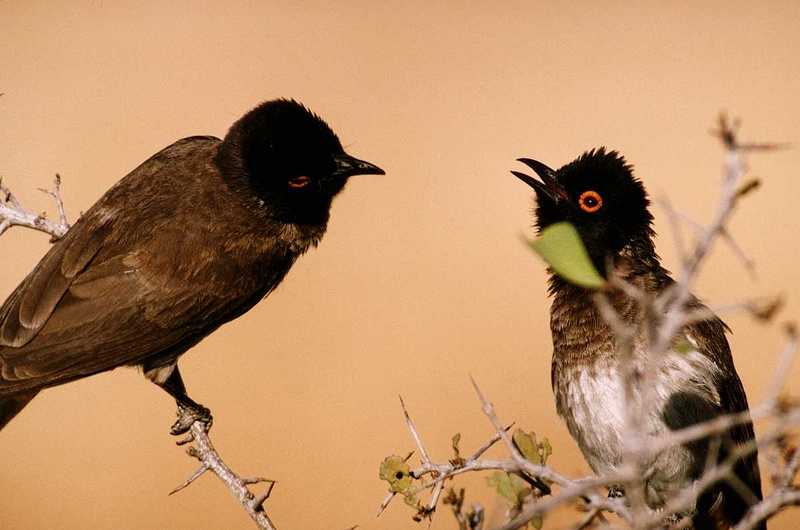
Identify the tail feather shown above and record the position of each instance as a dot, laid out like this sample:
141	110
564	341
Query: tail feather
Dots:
11	405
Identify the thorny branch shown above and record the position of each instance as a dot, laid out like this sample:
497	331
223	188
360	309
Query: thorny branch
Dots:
12	213
210	460
665	316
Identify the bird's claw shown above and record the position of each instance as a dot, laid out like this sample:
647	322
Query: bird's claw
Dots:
187	415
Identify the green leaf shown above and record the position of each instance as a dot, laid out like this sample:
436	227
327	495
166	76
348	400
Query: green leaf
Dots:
411	500
396	472
561	247
509	486
536	452
545	449
526	443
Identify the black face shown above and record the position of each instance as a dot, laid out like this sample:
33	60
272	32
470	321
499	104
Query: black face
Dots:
599	195
292	159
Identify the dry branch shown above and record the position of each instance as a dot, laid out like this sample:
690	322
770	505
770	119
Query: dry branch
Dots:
210	460
12	213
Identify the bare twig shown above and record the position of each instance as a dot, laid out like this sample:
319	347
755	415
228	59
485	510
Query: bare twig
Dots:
12	213
774	503
571	489
211	461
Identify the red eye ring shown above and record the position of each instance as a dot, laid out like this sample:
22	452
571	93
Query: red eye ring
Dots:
590	201
299	182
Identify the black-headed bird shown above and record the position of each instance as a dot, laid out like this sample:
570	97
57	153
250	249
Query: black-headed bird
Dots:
192	238
694	381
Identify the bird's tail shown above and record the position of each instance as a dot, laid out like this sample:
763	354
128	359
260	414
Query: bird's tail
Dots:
11	405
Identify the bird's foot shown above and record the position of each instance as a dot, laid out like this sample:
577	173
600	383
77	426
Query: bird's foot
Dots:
187	415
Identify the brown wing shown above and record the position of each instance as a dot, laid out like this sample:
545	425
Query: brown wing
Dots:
710	336
107	294
32	303
110	316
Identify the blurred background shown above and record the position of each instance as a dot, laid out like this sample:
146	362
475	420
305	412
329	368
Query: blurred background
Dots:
422	278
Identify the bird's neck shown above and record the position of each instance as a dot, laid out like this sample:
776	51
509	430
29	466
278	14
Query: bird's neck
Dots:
580	333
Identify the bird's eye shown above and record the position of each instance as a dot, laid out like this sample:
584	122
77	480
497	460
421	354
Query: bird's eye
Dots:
590	201
299	182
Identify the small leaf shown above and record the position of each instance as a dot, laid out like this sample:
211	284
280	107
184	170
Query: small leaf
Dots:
456	439
545	449
536	522
396	472
561	247
411	500
536	452
510	487
526	443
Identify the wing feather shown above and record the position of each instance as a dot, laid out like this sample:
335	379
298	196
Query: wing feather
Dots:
710	336
99	299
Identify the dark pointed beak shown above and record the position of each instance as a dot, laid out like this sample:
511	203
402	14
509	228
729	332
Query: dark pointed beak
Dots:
347	166
548	186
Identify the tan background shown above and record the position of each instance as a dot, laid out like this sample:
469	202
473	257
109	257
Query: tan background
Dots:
421	279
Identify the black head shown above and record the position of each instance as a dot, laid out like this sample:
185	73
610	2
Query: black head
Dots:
599	195
291	159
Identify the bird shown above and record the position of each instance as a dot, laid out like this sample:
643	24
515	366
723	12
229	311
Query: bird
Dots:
696	381
192	238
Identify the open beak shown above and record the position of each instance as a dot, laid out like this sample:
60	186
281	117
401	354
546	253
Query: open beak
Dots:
347	166
548	186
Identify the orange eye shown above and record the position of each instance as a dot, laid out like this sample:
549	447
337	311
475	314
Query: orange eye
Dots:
590	201
299	182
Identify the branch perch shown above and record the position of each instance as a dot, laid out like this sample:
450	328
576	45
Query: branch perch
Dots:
210	460
12	213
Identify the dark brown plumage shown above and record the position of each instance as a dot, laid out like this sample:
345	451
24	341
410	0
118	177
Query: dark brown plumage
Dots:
695	381
189	240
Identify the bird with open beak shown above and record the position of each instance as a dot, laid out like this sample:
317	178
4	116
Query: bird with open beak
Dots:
693	382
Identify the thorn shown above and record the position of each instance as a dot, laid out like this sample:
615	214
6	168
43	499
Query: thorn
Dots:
197	474
764	146
255	480
258	502
478	391
749	186
183	441
385	503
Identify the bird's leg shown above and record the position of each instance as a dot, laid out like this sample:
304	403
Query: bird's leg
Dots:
189	411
